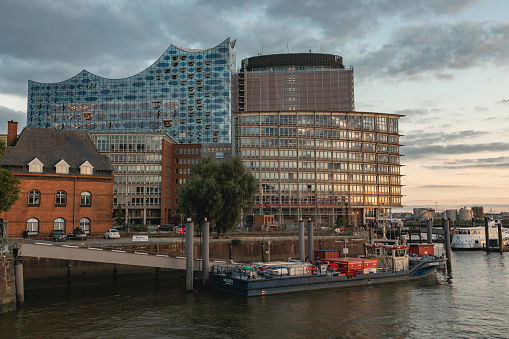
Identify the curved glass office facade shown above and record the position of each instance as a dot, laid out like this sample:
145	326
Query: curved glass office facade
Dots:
322	165
185	93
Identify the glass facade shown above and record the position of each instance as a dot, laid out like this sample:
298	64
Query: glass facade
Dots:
185	94
137	160
321	164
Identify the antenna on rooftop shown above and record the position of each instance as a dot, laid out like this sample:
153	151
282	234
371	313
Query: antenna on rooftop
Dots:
287	49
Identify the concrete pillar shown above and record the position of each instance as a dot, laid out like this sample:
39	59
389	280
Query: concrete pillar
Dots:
18	276
487	234
302	250
429	230
205	264
310	240
500	239
189	254
447	238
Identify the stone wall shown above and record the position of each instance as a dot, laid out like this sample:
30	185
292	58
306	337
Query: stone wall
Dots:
7	285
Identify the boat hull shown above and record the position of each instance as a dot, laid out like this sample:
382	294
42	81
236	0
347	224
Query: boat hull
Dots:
288	284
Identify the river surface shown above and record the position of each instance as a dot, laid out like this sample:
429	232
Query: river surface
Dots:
470	301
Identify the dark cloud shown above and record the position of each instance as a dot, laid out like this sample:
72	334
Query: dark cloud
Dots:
50	41
7	114
437	48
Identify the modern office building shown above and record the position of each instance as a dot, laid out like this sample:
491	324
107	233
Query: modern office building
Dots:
314	156
286	82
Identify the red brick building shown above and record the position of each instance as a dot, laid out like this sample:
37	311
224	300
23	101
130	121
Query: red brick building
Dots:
65	182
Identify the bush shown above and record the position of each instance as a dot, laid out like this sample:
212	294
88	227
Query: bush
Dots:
140	228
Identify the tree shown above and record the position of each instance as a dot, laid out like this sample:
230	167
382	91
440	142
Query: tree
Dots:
218	191
340	222
9	184
119	215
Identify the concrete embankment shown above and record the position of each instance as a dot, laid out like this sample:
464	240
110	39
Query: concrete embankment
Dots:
7	285
245	249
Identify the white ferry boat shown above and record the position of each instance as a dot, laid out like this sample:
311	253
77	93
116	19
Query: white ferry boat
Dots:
474	238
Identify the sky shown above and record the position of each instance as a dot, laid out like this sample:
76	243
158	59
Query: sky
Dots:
444	64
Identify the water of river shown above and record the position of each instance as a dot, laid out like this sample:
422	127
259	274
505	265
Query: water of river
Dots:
470	301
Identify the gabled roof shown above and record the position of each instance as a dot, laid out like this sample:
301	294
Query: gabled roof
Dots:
50	146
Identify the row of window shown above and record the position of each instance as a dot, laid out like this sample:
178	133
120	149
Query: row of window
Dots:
58	224
34	198
369	123
36	166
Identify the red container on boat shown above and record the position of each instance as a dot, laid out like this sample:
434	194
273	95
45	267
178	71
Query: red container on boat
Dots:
370	263
354	265
350	266
422	250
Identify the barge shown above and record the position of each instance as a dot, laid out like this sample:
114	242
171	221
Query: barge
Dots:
383	263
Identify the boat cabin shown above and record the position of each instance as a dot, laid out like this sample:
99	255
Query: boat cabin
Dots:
393	257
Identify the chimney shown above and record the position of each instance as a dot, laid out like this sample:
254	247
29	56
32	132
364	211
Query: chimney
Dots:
12	133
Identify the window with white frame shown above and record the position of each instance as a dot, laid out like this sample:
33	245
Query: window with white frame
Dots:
85	199
62	167
33	225
60	198
85	225
59	224
35	166
86	168
34	198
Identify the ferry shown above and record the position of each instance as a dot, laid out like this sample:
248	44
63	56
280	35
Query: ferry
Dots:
474	238
383	263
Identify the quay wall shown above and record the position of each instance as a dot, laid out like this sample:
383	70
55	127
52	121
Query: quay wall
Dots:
239	250
7	285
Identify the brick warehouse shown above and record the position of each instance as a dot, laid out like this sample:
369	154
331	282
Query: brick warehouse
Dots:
65	182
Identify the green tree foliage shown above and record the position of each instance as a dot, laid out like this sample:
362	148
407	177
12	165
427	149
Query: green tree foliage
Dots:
218	191
9	185
340	222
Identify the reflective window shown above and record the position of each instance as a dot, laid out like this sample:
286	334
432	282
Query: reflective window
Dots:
33	225
59	224
85	225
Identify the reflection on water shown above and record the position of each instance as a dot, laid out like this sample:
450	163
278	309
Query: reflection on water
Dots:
465	301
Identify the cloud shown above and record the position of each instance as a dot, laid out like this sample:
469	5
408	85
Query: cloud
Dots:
50	41
417	50
413	152
421	138
7	114
445	186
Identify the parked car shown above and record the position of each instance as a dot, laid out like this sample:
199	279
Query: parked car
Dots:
111	234
180	229
77	234
166	227
57	235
